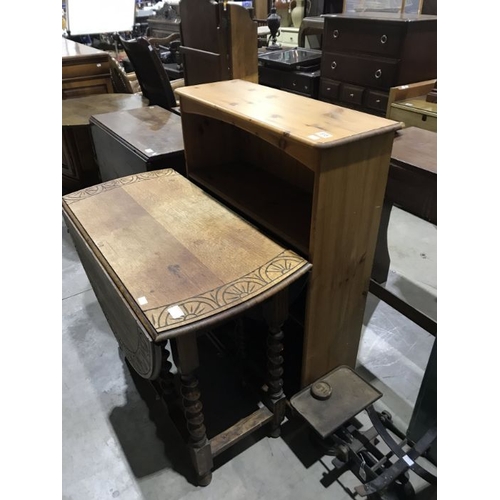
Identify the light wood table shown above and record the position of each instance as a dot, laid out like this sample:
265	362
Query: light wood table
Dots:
168	262
79	168
311	174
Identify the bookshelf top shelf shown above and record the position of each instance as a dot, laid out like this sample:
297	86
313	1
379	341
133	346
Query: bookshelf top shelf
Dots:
260	109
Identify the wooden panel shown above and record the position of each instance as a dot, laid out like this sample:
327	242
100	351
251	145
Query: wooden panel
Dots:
170	245
346	216
242	44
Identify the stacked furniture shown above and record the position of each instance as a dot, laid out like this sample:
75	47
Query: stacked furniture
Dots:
365	54
168	263
310	174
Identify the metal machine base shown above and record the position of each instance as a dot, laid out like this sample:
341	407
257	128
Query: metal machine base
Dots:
329	406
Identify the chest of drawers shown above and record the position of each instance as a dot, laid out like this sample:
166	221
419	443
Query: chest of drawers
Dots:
85	70
364	54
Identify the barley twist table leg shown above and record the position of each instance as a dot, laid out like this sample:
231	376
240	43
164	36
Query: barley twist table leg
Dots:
186	357
276	312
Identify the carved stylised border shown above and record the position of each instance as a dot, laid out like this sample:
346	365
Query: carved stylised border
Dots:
219	299
115	183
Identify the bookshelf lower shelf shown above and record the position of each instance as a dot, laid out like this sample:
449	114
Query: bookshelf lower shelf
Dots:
265	199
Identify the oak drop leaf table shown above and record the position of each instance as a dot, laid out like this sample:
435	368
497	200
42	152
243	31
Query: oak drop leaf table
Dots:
167	262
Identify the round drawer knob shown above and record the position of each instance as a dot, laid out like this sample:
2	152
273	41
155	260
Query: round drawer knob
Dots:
351	95
328	89
335	33
378	73
383	39
334	65
294	84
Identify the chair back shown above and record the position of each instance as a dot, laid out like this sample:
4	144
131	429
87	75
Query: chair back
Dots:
119	79
151	74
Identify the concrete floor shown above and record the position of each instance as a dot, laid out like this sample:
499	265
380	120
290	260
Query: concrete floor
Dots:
118	444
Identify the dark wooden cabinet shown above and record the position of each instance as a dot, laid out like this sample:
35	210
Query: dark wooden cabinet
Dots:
138	140
85	70
365	54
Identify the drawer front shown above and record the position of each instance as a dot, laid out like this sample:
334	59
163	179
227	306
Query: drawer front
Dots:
90	69
351	94
413	119
298	83
365	71
360	36
374	99
329	90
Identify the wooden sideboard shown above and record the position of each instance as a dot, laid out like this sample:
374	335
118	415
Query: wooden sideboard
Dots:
312	175
85	70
